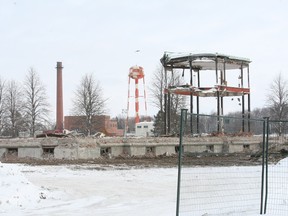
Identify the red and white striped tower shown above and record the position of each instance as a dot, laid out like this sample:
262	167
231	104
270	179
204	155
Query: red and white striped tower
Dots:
136	73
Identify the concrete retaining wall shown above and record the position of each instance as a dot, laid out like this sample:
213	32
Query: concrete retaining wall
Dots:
117	150
169	149
89	148
64	152
2	152
88	153
33	152
137	150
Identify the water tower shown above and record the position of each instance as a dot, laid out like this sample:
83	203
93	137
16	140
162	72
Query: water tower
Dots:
136	73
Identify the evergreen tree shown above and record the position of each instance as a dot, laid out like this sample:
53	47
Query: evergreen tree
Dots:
158	123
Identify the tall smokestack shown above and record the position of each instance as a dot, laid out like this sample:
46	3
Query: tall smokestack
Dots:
59	109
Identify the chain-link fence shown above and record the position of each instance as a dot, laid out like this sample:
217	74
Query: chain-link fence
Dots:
241	172
277	170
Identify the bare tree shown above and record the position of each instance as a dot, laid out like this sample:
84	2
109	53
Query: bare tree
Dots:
14	106
177	102
157	88
36	106
2	105
277	98
89	101
277	101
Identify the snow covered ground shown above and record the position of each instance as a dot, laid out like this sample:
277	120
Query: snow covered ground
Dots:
94	190
88	190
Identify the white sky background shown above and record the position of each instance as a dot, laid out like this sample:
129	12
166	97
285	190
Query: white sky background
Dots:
101	37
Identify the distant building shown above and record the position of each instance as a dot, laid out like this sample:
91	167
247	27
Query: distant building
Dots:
100	123
144	129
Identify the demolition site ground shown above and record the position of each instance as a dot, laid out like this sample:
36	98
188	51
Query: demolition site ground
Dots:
151	161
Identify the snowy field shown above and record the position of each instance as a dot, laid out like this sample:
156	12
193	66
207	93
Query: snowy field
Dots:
96	190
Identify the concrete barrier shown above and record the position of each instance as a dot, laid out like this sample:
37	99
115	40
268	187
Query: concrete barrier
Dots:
66	152
32	152
91	148
137	150
2	152
89	152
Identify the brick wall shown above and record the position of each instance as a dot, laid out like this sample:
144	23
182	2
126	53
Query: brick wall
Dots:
100	123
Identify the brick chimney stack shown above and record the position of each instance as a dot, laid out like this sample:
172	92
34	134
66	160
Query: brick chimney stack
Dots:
59	108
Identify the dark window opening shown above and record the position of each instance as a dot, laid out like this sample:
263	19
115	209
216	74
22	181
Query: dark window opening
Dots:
12	152
177	149
48	152
210	148
246	147
105	151
151	150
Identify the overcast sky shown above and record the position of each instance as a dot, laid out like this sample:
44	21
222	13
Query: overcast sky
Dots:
101	37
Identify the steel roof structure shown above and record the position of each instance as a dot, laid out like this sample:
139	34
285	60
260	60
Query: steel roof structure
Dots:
204	61
214	62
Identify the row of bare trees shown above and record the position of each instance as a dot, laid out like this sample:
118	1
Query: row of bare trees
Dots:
23	107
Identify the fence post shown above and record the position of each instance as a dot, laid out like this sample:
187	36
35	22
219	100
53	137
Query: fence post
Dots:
182	125
264	180
263	165
266	163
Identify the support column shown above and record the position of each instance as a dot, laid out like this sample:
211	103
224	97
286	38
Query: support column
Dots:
191	97
243	101
221	96
169	113
165	103
249	105
198	104
218	96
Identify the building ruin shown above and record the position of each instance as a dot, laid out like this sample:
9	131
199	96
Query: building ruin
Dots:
222	66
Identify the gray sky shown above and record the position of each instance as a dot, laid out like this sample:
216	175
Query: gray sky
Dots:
100	37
